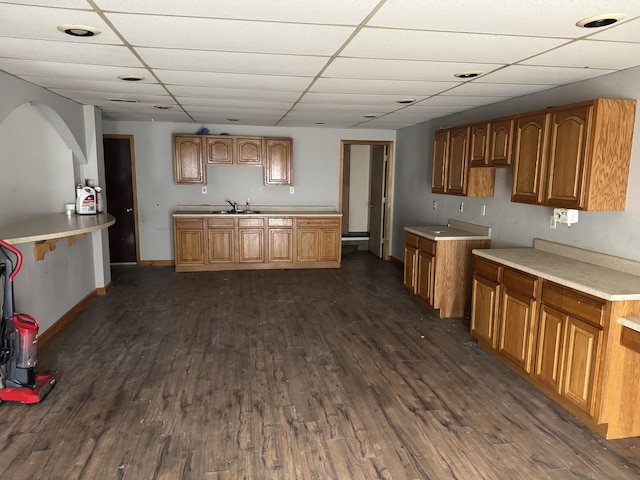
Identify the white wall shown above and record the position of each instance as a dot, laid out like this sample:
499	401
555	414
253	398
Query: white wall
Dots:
38	178
514	224
316	174
359	186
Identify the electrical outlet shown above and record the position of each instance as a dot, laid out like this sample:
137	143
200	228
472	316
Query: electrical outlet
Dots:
435	204
552	222
291	191
462	206
483	210
204	190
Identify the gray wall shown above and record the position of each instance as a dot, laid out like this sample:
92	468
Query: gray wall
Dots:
316	174
515	224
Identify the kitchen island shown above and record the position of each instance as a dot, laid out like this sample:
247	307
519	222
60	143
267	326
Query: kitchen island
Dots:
564	319
210	237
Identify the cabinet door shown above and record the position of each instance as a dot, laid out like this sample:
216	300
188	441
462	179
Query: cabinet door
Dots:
517	328
187	159
330	246
581	359
479	146
550	347
278	161
307	245
440	157
425	277
281	244
484	310
500	142
410	268
189	241
221	243
251	245
530	155
567	157
219	150
458	161
249	150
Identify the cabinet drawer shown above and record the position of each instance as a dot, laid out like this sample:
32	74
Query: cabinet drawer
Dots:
573	303
280	222
486	269
411	239
251	222
188	222
221	222
520	282
318	222
426	245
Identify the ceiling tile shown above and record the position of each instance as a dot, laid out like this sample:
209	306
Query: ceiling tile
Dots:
625	31
496	89
232	93
384	87
463	100
230	35
232	62
75	71
81	85
77	4
102	98
232	80
445	46
23	21
353	99
539	18
336	12
591	54
540	75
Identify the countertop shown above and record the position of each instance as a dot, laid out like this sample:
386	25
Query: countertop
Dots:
561	264
454	230
264	210
54	225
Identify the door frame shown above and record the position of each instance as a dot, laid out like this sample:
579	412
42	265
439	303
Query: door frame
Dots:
134	188
386	228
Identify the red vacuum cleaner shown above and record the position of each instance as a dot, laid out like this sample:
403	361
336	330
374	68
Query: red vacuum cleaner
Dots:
18	341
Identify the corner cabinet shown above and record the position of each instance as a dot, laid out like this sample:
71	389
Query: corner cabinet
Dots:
188	159
576	156
451	172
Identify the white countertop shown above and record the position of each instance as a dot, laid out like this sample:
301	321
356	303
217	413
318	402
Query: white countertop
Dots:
597	280
54	225
455	230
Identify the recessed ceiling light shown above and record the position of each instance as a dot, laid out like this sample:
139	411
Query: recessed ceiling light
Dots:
78	30
233	119
163	107
131	78
319	123
469	74
406	100
123	100
598	21
370	115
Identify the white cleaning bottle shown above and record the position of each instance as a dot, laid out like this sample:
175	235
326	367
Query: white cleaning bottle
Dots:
85	200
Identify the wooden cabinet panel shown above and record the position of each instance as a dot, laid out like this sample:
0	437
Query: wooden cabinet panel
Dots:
517	323
278	161
249	150
582	356
456	180
550	348
187	159
500	142
307	245
189	241
280	244
425	277
410	268
330	245
479	145
440	161
221	243
484	311
251	245
530	153
219	150
568	153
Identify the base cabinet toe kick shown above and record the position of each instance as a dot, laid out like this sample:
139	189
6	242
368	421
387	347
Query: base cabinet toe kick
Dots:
567	342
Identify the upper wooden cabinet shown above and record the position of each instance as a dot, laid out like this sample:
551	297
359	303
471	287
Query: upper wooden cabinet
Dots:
451	173
228	150
278	161
479	145
575	156
187	154
249	150
500	142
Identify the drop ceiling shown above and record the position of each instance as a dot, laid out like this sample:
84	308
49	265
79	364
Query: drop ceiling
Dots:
329	63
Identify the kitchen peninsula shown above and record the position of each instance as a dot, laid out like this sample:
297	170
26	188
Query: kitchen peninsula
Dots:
210	237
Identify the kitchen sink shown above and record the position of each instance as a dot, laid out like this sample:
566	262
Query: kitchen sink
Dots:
236	212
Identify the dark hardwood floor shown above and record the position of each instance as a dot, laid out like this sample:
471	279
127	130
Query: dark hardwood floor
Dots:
318	374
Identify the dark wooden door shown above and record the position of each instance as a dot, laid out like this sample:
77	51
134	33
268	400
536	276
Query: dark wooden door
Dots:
119	177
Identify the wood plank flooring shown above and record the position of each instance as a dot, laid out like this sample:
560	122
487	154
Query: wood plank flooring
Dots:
318	374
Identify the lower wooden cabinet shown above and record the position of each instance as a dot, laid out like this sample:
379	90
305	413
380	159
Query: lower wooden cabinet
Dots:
239	242
565	342
410	262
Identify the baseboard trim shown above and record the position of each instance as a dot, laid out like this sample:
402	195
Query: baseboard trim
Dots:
396	261
157	263
104	290
64	319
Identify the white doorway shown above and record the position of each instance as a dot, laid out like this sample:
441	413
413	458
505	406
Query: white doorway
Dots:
365	186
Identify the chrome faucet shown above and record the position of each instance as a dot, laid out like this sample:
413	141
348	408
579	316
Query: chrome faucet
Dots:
233	204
